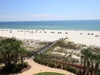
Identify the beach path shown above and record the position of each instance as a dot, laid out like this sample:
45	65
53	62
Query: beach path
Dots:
37	68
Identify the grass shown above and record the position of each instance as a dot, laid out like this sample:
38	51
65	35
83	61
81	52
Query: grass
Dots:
49	73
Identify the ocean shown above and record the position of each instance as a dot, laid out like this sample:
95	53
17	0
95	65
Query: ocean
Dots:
53	25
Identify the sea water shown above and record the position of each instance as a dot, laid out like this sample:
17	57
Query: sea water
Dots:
53	25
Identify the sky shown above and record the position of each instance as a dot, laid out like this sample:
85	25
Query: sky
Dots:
41	10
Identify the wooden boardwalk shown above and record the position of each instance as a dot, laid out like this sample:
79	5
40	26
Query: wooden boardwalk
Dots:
43	49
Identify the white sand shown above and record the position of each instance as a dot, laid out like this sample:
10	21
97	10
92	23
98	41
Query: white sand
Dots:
37	68
46	35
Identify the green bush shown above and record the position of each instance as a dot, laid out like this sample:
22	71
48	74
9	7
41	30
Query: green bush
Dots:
79	72
98	73
42	59
51	64
14	68
58	65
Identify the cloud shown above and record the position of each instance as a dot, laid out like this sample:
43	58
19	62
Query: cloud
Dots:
9	18
31	17
45	17
35	17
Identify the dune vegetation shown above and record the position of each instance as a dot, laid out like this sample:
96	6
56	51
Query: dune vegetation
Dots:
76	58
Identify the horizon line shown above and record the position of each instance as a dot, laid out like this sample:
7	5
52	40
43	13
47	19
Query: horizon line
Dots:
50	20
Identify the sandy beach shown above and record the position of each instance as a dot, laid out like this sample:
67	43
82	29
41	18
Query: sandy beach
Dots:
83	37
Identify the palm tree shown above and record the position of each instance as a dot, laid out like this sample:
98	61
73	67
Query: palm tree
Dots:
92	61
11	51
22	54
86	55
97	63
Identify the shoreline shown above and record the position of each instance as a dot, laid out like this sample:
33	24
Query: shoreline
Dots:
77	36
47	29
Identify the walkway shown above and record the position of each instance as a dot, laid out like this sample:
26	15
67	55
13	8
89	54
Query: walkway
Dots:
40	51
37	68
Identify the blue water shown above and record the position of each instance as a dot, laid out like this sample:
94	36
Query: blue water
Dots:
54	25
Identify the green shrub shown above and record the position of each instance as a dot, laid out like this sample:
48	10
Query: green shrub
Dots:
14	68
43	59
79	72
51	64
58	65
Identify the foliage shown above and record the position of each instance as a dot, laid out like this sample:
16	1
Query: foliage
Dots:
14	68
68	44
91	62
12	52
41	59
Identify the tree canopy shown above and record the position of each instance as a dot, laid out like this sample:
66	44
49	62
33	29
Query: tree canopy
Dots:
11	51
91	62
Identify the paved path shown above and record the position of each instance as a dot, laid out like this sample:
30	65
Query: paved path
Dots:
37	68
